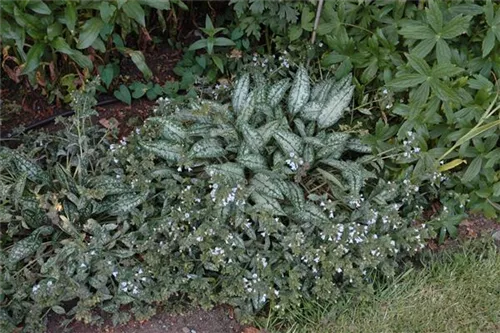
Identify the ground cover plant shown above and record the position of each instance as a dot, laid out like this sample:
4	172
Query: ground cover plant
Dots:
306	173
193	205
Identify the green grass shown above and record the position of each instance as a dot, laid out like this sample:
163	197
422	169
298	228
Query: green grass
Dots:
455	291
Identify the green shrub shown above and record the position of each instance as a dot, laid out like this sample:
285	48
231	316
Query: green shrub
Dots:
51	41
250	203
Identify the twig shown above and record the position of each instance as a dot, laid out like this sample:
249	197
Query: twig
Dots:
316	21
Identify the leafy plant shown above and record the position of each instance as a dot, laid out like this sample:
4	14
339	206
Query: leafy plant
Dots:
263	200
46	40
210	42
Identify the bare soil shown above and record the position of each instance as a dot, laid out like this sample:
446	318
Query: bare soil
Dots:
218	320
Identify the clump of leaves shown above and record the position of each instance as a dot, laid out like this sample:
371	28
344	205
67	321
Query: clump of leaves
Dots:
259	201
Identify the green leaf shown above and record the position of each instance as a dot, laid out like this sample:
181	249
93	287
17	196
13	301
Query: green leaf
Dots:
140	61
488	43
416	30
58	309
299	93
106	10
294	32
123	94
89	32
419	64
406	81
218	62
434	16
222	41
443	52
424	48
60	45
446	70
70	16
456	26
473	170
139	89
39	7
161	4
254	162
199	44
444	92
33	58
133	9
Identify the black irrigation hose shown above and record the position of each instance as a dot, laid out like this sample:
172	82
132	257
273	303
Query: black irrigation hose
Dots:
68	113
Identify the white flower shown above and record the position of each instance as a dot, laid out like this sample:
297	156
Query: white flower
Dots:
35	288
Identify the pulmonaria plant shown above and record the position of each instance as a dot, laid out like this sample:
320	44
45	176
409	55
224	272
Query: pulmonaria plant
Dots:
277	204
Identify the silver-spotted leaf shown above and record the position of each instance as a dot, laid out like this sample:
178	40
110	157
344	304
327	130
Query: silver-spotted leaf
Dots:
252	138
232	171
299	93
207	148
164	149
340	97
240	93
265	185
312	110
277	92
289	142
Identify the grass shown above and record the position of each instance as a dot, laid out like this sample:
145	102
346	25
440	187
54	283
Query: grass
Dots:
455	291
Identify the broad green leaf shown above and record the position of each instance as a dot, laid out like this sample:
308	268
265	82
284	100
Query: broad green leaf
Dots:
455	27
133	9
218	62
446	70
89	32
488	43
140	61
106	10
39	7
159	4
424	48
252	137
434	16
419	64
222	41
60	45
416	30
199	44
443	52
254	162
294	32
33	58
70	16
123	94
473	170
444	92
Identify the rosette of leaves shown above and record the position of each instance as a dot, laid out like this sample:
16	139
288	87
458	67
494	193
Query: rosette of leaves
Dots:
284	184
